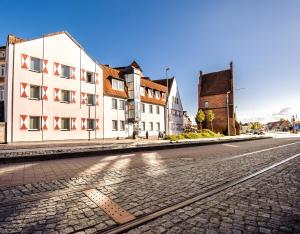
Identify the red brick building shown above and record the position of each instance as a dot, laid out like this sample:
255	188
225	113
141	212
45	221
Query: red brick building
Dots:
213	90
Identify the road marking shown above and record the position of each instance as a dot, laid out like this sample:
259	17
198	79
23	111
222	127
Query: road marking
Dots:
139	221
111	208
230	145
259	151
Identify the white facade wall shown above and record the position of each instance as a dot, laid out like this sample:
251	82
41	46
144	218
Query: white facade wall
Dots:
152	118
63	50
175	110
111	114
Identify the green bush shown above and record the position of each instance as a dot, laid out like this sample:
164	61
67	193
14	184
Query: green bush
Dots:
205	133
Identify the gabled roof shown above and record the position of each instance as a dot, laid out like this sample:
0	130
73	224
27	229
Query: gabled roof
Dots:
216	82
108	74
14	40
166	82
146	82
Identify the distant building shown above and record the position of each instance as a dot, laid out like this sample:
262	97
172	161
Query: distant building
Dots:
279	126
187	122
2	77
213	90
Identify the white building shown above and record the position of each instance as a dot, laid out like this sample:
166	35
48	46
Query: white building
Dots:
53	90
132	103
174	110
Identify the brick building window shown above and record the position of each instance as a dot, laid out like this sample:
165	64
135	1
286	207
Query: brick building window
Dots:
206	104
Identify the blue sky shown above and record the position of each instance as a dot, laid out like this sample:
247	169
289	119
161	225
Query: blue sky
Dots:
261	37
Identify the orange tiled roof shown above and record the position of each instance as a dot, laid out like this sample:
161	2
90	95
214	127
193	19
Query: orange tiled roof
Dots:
153	100
150	84
108	73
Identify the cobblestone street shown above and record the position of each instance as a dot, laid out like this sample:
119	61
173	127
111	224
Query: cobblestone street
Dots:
47	196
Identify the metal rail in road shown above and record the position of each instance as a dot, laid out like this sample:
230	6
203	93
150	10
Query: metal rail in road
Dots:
139	221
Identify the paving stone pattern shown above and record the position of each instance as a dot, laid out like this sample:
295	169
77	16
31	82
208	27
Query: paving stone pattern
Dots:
269	203
142	187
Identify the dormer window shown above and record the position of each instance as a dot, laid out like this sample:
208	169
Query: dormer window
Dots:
163	96
150	93
142	91
157	94
117	84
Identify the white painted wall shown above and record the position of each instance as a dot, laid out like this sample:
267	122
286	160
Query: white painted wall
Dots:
58	48
154	118
175	122
111	114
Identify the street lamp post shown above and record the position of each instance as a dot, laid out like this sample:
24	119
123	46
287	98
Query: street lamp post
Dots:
227	102
167	102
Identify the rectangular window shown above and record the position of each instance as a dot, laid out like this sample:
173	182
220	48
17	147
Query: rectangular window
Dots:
122	125
158	126
206	104
151	126
2	70
143	107
157	94
65	96
65	71
118	84
65	123
150	93
35	92
142	90
122	105
150	109
114	125
1	93
35	64
34	123
143	126
91	99
91	124
114	103
90	78
163	96
157	110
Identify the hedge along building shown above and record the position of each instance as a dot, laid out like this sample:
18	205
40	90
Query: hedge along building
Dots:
215	90
132	103
53	90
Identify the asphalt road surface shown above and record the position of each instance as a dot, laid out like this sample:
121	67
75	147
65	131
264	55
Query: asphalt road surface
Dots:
49	196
